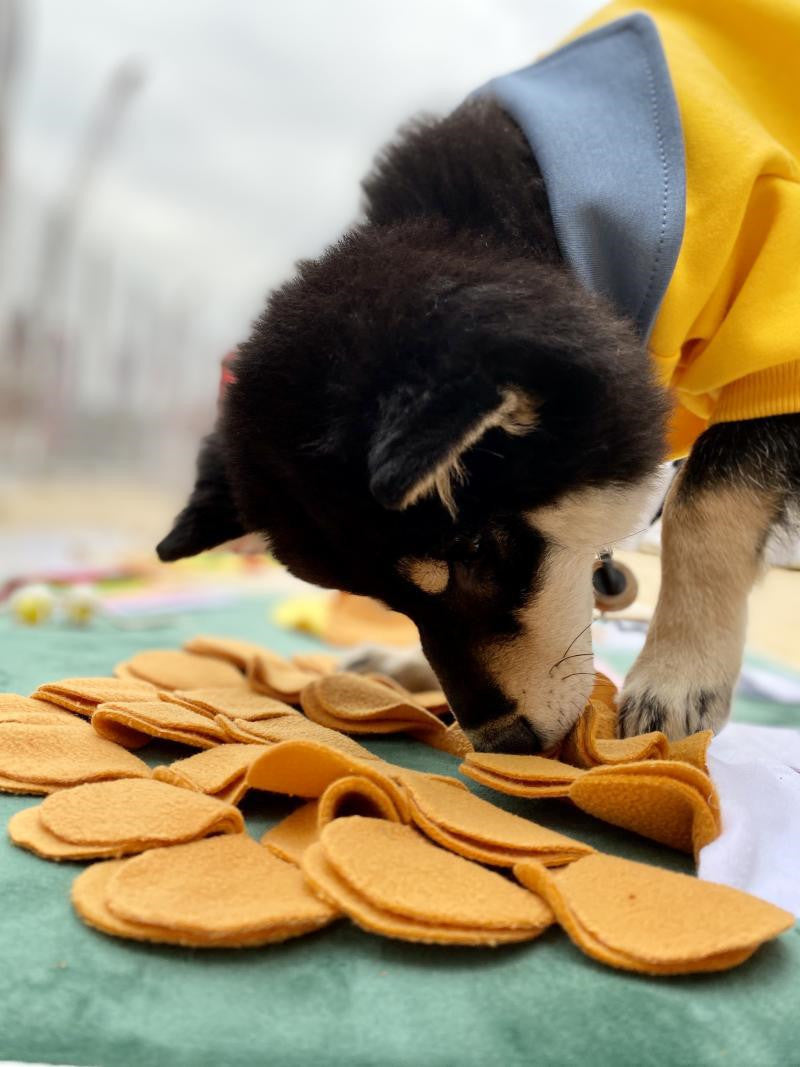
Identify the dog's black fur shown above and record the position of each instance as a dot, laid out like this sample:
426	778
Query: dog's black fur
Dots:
375	358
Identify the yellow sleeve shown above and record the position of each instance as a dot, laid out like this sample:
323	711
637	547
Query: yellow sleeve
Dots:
745	364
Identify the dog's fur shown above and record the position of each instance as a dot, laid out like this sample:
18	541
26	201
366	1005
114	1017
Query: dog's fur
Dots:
435	413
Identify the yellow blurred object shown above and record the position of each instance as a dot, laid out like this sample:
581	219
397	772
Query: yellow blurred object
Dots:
32	604
308	614
355	619
345	619
80	604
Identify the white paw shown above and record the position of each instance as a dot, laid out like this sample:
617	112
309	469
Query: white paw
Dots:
407	666
673	698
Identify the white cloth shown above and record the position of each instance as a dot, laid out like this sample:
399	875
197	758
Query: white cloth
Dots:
756	770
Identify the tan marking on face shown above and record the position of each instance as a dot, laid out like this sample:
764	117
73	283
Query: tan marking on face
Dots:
429	575
548	690
548	668
595	517
515	414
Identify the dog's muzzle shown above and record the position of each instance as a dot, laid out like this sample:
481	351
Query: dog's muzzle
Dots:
513	735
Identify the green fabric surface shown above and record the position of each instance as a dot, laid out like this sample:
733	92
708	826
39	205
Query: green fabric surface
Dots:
71	995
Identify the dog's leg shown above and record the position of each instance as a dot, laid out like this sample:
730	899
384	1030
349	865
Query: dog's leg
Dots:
736	485
407	666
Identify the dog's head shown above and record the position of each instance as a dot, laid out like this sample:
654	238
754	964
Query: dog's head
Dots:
426	419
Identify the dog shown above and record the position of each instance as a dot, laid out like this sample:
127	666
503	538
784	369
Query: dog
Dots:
472	393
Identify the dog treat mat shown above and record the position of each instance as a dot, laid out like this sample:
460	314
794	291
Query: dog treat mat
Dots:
224	851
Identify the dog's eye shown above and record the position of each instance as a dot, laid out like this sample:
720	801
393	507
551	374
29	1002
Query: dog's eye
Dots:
467	549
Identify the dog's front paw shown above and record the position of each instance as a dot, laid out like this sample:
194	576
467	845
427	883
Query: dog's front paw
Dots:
675	706
407	666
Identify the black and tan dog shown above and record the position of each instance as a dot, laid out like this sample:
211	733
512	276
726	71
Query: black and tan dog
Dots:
468	396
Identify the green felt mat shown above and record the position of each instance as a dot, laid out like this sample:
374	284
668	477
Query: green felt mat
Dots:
71	995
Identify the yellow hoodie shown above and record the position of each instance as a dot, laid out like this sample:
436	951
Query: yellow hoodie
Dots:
725	337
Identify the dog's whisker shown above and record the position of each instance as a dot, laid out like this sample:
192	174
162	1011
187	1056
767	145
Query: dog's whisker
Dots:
576	637
574	655
635	533
569	646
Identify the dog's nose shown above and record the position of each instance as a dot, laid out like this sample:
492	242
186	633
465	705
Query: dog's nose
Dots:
515	737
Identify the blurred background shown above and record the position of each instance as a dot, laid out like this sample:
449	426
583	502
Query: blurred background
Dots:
162	166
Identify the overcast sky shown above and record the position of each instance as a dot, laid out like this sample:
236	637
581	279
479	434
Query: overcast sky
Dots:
244	148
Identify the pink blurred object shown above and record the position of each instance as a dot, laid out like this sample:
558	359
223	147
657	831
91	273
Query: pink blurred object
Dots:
226	373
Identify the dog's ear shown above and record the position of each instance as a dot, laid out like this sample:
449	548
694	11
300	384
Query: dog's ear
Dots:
421	436
209	518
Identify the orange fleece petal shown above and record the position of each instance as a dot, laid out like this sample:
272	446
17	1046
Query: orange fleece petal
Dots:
629	749
25	788
97	821
692	749
452	740
82	695
328	884
317	714
15	708
593	741
218	887
354	694
280	679
353	697
291	728
358	705
240	654
49	757
605	692
307	768
219	772
642	918
232	703
131	814
432	699
121	671
678	770
388	681
134	724
266	671
89	898
397	870
573	749
514	788
315	662
670	802
524	776
26	831
481	851
403	774
293	835
354	619
175	669
356	795
473	827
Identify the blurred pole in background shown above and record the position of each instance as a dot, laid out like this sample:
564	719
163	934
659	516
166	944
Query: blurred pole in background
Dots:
49	352
12	326
61	226
11	30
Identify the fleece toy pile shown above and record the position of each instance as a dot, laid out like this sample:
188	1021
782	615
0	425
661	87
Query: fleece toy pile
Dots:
400	853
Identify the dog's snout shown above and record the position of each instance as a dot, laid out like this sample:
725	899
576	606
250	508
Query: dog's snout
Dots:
514	736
